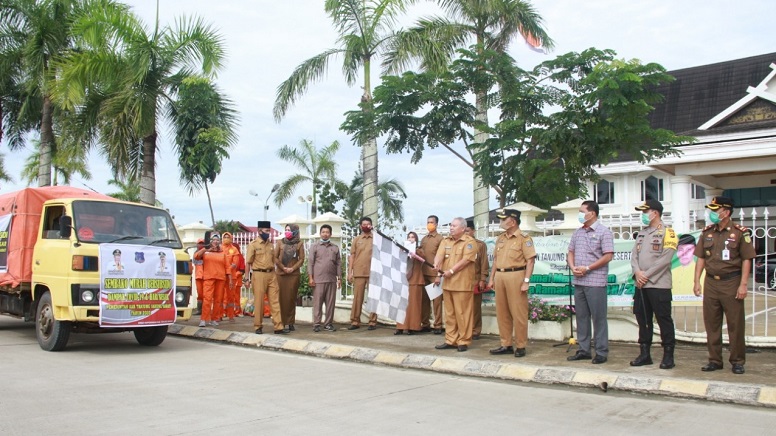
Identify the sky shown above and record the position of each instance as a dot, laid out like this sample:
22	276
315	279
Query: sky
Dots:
266	39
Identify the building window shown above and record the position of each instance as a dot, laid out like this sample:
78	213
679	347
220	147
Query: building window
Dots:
652	189
698	192
604	192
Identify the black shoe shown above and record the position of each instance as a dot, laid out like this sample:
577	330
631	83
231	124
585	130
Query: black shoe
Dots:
444	346
398	332
411	332
258	331
711	366
317	328
281	332
737	368
581	355
328	328
476	337
464	348
291	327
502	350
519	352
354	327
597	360
437	331
425	330
371	327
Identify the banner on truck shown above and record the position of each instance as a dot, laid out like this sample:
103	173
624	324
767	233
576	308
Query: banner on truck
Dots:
5	230
137	286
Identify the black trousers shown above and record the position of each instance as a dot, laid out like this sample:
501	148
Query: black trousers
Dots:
655	302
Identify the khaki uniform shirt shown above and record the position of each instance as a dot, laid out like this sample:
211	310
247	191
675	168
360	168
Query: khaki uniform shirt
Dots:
481	267
295	263
260	255
451	251
361	255
513	251
652	254
323	264
736	239
428	249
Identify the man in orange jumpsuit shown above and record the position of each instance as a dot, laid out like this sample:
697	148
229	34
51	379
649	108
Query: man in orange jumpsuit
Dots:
217	276
232	293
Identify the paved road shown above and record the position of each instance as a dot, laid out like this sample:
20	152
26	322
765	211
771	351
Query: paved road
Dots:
109	385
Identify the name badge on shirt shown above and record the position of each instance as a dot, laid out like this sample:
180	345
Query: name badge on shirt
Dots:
726	254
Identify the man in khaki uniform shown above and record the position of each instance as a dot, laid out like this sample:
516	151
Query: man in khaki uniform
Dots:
455	263
481	270
260	258
651	264
513	264
428	250
725	251
359	267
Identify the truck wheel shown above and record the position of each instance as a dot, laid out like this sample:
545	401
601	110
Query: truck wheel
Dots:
52	334
151	336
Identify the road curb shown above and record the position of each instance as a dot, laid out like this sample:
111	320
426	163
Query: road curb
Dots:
737	393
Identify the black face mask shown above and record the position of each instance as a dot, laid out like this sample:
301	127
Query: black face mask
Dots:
264	236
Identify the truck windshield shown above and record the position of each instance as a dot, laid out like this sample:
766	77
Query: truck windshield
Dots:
104	221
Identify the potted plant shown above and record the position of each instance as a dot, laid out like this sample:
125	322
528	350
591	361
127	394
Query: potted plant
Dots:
305	295
546	319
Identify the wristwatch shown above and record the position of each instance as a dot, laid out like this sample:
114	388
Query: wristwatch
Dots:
527	280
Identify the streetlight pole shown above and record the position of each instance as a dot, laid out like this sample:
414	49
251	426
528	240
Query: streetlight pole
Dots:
266	202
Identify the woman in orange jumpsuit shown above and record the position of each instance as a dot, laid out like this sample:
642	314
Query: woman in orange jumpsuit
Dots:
217	275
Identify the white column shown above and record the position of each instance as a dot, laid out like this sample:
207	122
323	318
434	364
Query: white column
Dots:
711	193
680	203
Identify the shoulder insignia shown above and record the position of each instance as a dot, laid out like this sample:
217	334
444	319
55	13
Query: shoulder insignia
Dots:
469	246
708	227
525	234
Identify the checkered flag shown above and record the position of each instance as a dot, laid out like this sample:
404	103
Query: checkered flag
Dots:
388	288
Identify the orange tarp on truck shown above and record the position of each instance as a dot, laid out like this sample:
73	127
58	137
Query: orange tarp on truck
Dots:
25	207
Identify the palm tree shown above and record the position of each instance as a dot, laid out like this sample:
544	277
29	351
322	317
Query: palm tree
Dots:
318	167
391	196
129	190
34	34
490	25
124	77
365	30
65	162
204	123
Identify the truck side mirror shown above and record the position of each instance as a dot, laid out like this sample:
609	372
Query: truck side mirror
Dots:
65	226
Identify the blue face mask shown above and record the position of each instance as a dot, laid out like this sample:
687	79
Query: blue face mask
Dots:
264	236
324	240
582	217
714	217
645	218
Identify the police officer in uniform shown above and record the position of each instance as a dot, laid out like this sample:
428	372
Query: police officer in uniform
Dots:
725	251
651	264
513	264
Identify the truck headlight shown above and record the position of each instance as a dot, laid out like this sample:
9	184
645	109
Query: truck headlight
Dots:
87	296
180	297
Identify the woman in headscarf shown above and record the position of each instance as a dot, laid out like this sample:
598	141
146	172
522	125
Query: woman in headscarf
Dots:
289	257
415	279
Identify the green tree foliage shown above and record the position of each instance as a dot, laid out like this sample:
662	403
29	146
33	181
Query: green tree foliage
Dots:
66	161
122	82
128	190
365	29
204	122
556	122
222	226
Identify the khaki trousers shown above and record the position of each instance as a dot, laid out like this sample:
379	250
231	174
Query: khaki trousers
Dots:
359	289
477	315
719	297
511	309
266	283
458	317
324	294
289	289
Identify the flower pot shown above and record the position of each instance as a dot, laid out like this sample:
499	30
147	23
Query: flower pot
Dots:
307	301
549	330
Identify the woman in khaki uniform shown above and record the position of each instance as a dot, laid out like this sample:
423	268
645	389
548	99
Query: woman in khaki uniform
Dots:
416	283
289	257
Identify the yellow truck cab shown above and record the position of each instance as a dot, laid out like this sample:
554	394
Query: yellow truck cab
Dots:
50	241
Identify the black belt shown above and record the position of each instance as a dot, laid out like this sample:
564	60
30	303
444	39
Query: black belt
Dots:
264	270
724	276
519	268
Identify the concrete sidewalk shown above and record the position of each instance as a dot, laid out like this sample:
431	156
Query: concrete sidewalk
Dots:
545	362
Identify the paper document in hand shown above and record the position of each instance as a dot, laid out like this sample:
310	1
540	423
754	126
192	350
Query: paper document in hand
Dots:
434	291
